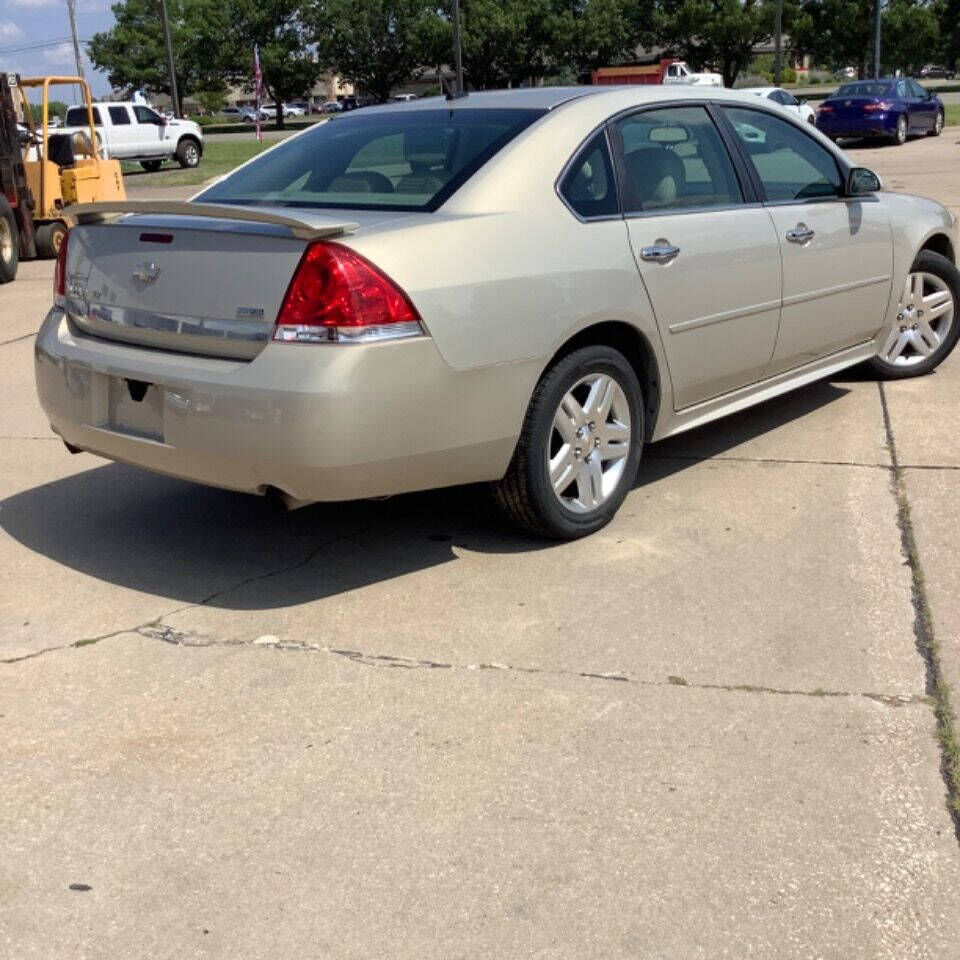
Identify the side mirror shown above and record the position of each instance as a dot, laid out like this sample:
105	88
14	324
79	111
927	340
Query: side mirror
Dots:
861	182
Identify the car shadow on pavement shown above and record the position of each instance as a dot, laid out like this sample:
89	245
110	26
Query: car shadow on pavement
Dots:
196	544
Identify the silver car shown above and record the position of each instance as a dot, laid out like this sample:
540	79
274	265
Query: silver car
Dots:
521	287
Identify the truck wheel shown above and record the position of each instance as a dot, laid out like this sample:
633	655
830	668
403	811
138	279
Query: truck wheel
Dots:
49	239
151	166
9	242
188	153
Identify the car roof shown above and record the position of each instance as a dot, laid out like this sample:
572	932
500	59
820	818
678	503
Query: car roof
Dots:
758	90
547	98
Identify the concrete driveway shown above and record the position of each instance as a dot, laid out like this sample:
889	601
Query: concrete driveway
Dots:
400	730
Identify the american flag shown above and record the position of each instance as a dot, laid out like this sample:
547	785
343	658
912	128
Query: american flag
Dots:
257	86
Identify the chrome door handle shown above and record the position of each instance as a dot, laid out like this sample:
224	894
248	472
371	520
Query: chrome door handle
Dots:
801	233
660	252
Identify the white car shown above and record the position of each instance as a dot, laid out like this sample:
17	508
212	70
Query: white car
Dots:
524	287
133	131
786	99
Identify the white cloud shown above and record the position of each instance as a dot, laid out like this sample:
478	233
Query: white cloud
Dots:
9	30
61	53
34	4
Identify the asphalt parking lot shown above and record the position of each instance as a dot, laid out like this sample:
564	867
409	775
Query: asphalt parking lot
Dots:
398	729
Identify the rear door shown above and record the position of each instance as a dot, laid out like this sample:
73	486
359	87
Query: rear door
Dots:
837	253
122	135
708	257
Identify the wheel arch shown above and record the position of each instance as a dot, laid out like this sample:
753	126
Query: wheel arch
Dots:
940	243
638	350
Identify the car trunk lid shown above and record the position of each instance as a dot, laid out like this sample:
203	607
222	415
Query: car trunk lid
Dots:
192	278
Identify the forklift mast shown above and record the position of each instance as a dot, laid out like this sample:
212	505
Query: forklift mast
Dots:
13	176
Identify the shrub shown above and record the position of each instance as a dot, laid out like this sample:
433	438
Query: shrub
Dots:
750	80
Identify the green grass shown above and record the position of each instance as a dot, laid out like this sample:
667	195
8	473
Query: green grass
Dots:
952	115
219	157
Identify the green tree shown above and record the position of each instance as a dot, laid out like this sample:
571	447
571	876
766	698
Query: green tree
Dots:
909	35
838	33
593	33
376	44
718	33
132	52
947	13
280	29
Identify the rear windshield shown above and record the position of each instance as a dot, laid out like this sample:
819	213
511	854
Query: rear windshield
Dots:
865	88
383	160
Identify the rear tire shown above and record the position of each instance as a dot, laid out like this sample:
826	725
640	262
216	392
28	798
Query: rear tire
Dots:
151	166
928	320
900	136
49	239
9	242
560	484
188	153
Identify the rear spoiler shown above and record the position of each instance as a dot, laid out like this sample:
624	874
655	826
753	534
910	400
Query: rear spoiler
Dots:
99	212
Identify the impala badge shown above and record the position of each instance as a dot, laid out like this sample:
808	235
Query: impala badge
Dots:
146	272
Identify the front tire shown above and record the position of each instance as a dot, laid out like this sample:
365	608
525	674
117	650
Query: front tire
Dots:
937	125
9	242
188	153
579	446
928	320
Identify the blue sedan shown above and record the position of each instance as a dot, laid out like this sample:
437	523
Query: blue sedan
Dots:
892	108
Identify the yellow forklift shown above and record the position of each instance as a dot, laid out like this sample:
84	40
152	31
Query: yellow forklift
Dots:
62	168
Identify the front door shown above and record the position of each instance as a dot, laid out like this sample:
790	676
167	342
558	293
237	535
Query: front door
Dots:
151	131
837	253
709	261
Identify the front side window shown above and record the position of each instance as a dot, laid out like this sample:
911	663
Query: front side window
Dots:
674	159
377	160
119	116
589	186
790	164
146	115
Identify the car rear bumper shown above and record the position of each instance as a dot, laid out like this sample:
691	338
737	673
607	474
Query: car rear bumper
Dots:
880	125
316	422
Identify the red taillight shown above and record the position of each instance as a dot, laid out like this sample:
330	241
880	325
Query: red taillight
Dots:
60	274
338	296
882	105
825	108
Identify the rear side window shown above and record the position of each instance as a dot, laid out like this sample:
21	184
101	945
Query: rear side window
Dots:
789	164
77	117
119	116
378	160
674	159
589	186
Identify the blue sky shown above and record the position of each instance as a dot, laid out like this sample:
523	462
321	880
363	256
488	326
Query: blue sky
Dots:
35	22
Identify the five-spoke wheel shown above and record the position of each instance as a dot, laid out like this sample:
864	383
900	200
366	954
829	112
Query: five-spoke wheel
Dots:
927	325
579	447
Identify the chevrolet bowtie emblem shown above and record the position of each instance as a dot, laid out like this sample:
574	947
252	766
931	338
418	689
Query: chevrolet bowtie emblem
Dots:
146	272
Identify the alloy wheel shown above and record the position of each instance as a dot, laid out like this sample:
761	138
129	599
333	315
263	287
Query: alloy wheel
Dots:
590	442
901	129
924	319
938	125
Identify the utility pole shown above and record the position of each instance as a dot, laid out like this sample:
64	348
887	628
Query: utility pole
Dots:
72	12
457	57
876	44
174	96
777	43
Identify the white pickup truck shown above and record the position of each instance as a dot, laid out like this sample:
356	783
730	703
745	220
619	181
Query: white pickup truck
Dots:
133	131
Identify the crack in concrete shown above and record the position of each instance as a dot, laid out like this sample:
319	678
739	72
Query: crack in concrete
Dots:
782	460
10	437
26	336
923	628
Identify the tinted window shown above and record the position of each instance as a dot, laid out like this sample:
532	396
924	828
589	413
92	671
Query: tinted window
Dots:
787	99
917	90
77	117
790	164
674	158
865	88
119	116
588	185
389	159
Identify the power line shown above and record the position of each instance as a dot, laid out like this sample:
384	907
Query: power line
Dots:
39	45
